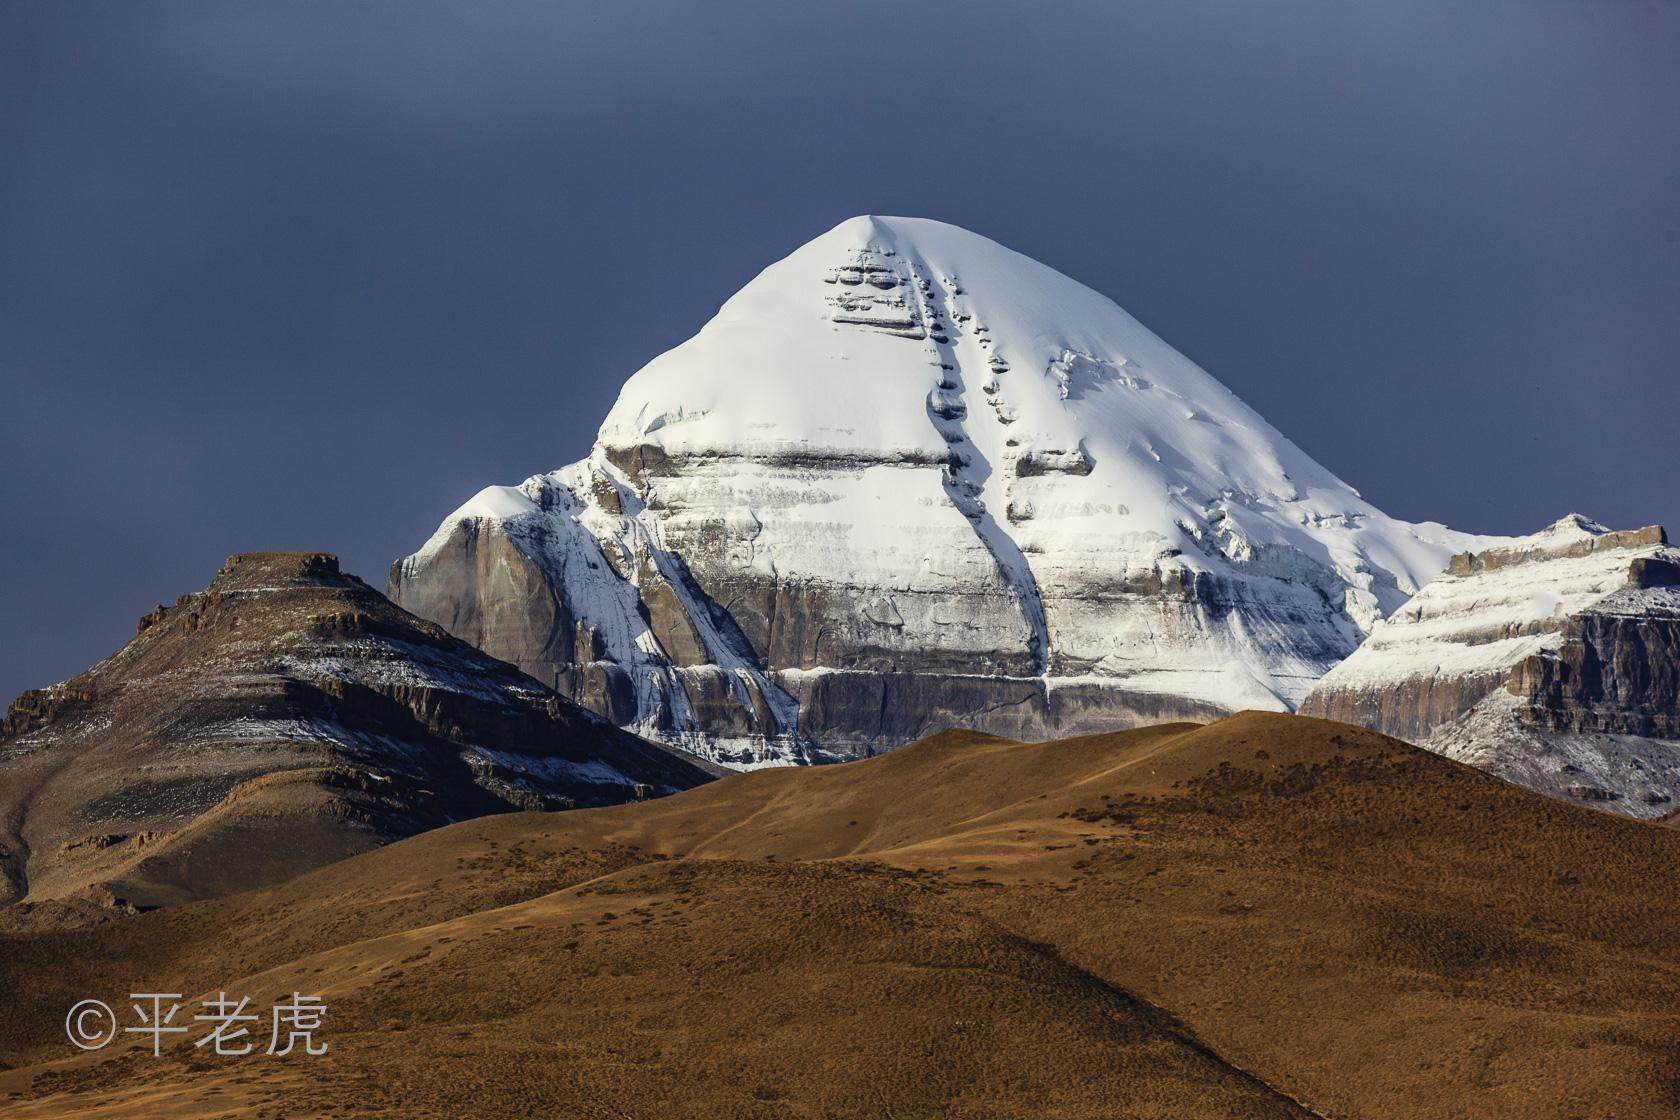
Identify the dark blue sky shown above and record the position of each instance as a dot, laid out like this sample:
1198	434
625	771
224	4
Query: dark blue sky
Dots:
306	275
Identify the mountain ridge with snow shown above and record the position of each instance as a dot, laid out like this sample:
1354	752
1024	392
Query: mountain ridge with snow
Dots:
1552	661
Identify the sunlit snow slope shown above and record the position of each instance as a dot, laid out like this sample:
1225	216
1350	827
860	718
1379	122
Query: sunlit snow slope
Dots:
905	478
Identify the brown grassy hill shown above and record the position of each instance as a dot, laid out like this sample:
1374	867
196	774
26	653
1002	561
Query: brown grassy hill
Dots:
1268	916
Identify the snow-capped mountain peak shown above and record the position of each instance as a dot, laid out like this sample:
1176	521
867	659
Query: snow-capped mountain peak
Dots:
906	449
906	340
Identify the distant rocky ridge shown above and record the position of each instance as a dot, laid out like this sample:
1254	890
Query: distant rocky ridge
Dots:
908	479
1553	661
286	716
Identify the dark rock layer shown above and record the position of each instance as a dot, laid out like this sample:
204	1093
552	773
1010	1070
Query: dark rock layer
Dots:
1613	673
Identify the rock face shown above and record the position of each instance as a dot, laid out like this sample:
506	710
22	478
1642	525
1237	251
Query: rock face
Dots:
1617	669
286	716
1553	661
908	478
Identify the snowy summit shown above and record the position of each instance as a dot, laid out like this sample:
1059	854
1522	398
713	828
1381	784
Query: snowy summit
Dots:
907	473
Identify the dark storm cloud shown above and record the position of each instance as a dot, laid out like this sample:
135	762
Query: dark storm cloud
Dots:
306	275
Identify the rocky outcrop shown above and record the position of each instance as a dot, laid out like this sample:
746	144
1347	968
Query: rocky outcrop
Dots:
907	478
1616	669
1572	538
1554	662
286	716
1408	707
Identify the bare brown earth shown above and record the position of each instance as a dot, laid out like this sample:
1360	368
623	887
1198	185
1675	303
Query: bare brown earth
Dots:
1268	916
